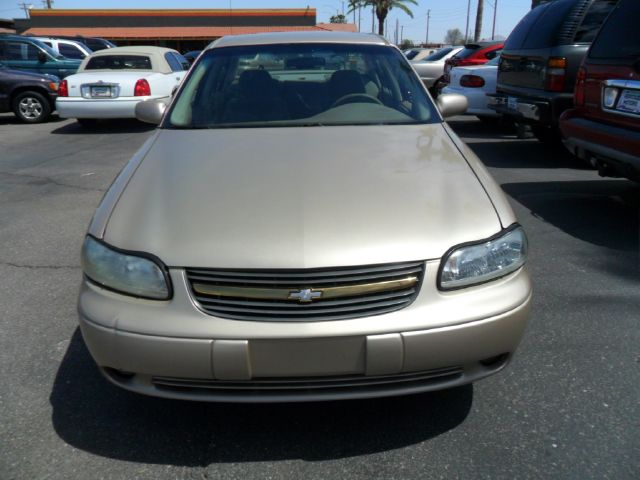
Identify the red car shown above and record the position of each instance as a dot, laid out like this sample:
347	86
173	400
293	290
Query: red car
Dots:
604	126
472	54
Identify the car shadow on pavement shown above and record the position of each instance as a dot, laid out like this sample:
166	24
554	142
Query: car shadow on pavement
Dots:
123	125
11	119
92	415
525	154
603	212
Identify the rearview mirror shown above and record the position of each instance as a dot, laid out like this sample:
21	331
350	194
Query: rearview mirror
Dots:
42	57
151	111
451	104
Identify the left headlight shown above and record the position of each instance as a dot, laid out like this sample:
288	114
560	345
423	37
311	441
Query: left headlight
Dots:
124	272
479	263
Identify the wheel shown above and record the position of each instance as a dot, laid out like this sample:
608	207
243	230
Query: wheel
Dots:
355	97
31	107
548	135
87	122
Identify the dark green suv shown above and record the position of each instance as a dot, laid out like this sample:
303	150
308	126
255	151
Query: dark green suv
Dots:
24	53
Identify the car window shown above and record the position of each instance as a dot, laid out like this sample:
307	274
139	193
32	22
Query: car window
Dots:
48	44
593	20
21	51
540	27
492	53
619	36
301	85
495	60
70	51
173	62
439	54
184	63
467	51
119	62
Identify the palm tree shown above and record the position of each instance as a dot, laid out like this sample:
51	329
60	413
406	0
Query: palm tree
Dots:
382	8
353	6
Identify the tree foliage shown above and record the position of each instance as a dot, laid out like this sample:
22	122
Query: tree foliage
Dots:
454	37
339	18
383	7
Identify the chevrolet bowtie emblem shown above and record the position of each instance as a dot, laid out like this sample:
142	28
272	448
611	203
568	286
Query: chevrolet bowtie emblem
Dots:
305	295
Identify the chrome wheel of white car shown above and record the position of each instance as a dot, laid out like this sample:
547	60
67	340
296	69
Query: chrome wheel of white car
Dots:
31	107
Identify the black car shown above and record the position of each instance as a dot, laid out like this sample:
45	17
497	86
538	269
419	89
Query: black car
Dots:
93	43
30	96
540	61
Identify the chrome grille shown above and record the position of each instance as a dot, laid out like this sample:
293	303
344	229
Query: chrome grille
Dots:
306	295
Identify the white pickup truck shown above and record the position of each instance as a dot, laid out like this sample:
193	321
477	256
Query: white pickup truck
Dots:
110	83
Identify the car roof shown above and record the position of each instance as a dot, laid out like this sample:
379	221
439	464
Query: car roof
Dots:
298	37
147	50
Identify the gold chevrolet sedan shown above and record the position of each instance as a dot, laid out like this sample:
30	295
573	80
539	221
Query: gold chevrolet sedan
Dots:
302	226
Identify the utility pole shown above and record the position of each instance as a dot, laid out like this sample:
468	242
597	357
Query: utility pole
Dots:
25	7
495	10
47	3
466	30
397	30
428	18
401	33
373	21
478	33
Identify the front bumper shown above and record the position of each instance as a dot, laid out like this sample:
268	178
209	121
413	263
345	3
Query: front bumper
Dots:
172	349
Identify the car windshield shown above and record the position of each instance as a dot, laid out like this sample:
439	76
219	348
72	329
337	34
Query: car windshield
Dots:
438	55
301	85
48	49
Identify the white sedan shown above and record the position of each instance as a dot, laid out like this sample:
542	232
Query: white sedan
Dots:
475	83
110	83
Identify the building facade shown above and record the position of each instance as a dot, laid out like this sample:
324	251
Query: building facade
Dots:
183	30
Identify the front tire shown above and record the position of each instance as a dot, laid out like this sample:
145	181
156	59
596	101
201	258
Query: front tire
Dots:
547	135
31	107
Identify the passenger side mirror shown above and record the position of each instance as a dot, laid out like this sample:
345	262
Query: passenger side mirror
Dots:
151	111
42	57
452	104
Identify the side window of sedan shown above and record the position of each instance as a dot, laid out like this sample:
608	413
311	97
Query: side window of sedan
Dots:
70	51
174	64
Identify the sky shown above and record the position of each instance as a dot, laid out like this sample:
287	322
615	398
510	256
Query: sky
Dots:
445	14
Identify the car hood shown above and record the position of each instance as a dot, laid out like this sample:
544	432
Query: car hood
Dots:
29	75
301	197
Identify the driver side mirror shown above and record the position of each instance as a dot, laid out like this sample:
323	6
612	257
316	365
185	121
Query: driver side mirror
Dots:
452	104
42	57
151	111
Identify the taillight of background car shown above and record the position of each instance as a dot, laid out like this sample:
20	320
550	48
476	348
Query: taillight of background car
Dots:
142	88
556	74
471	81
63	89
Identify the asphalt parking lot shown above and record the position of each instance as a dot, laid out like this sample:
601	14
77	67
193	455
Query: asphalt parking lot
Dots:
567	407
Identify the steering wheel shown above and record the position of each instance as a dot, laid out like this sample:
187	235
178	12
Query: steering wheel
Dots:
356	97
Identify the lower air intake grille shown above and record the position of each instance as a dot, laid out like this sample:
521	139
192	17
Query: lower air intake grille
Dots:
306	295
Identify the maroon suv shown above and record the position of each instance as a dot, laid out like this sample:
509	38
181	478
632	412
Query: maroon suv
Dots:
604	126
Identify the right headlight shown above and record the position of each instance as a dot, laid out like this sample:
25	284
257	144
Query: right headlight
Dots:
133	274
479	263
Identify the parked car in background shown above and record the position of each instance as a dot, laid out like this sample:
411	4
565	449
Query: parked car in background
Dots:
540	61
603	128
24	53
417	54
192	55
30	96
475	83
200	284
111	82
93	43
66	48
473	54
432	68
